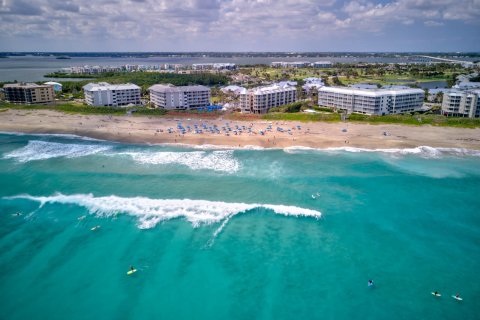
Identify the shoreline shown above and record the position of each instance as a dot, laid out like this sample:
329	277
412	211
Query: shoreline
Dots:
317	135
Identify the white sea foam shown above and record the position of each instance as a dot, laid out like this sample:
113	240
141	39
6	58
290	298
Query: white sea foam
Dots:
209	146
41	150
222	161
149	212
422	151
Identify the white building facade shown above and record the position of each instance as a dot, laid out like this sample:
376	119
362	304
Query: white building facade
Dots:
322	64
112	95
371	101
461	103
179	98
260	100
215	66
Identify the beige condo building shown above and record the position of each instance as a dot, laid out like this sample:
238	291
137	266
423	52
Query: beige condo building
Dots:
260	100
28	93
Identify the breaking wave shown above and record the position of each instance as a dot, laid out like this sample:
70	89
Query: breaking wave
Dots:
422	151
222	161
149	212
42	150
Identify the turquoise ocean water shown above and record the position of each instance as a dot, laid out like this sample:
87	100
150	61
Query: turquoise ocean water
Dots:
236	234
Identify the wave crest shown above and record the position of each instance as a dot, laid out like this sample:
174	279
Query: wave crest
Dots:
42	150
422	151
149	212
223	161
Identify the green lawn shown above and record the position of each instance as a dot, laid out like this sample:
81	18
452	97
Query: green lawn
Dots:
84	109
422	119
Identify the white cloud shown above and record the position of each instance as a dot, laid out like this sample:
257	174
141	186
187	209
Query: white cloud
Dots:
249	22
374	17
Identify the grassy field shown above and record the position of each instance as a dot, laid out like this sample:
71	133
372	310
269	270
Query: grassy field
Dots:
356	74
303	117
426	119
75	108
417	120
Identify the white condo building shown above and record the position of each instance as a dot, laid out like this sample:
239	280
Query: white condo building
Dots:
322	64
260	100
216	66
371	101
461	103
179	98
288	64
112	95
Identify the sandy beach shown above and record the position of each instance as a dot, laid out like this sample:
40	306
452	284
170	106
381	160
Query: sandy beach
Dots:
144	129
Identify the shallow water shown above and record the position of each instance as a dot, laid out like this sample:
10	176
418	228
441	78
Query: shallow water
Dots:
236	233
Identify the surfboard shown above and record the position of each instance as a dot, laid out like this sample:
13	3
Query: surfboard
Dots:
95	228
131	272
436	295
457	298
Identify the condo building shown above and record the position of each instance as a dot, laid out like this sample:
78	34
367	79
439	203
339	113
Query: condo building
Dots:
294	64
214	66
112	95
28	93
461	103
260	100
371	101
301	64
322	64
179	98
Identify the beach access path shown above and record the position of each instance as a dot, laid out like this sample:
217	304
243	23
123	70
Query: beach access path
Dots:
159	129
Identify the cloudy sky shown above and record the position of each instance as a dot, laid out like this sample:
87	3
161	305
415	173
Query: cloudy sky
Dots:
239	25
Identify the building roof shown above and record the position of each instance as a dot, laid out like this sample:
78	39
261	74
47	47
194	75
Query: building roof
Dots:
269	89
284	84
170	88
313	80
25	85
53	83
236	89
454	92
394	86
467	85
363	86
438	90
371	92
105	86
